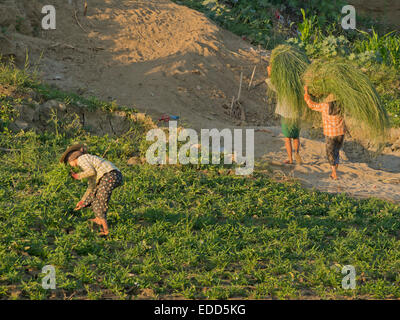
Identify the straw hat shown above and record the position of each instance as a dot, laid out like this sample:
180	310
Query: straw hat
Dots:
75	147
330	98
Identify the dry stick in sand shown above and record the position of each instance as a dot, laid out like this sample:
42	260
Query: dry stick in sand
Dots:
259	83
66	46
240	86
232	104
263	130
77	21
73	48
252	77
85	9
61	44
242	111
237	101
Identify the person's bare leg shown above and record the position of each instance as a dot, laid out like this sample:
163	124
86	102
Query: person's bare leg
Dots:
104	224
334	173
96	220
288	145
296	145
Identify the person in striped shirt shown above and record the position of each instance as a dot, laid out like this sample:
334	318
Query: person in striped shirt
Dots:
103	177
333	125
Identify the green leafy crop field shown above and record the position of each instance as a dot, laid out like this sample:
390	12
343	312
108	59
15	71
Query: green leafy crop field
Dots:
181	232
186	233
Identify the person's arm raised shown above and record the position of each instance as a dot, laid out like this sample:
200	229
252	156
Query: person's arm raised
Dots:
311	104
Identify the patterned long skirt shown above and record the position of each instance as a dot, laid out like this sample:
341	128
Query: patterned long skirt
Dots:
100	196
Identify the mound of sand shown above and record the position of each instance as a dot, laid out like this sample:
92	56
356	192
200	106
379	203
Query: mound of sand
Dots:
160	57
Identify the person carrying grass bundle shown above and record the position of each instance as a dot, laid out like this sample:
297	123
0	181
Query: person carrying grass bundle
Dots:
287	65
333	126
289	125
103	177
360	104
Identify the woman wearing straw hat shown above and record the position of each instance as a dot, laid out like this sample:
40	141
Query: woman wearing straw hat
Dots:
103	177
333	126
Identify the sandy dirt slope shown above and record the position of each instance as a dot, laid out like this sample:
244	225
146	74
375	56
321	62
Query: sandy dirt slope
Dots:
163	58
155	55
361	173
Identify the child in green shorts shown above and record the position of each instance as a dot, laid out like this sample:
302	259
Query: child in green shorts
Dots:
290	128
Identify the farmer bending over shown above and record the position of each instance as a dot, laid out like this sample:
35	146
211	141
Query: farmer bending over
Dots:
103	178
290	127
333	125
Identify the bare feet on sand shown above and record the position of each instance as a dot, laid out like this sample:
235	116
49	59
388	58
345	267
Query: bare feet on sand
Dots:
298	158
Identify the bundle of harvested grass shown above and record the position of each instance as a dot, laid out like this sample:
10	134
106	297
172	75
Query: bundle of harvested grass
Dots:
354	92
288	64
